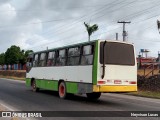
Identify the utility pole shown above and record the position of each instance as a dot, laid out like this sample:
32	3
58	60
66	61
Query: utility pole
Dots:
124	34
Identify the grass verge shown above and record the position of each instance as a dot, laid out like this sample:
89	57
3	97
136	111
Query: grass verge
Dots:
150	94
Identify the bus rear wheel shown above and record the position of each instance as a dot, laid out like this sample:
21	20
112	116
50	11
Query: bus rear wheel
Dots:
62	90
34	87
94	95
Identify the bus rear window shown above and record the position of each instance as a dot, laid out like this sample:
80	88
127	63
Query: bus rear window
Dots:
117	53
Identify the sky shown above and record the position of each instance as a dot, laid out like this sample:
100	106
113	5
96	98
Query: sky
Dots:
41	24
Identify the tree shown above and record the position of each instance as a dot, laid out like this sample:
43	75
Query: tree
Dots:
90	29
28	52
22	58
12	55
24	55
2	59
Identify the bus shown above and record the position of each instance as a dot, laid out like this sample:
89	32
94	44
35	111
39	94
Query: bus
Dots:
90	68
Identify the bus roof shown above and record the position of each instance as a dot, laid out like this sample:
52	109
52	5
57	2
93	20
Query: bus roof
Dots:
77	44
83	43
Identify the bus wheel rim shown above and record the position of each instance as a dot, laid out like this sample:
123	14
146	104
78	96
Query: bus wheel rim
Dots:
34	85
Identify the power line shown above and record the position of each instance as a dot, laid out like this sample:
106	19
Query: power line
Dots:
53	8
120	27
133	23
116	9
116	3
94	13
112	11
47	21
67	30
139	13
37	23
48	43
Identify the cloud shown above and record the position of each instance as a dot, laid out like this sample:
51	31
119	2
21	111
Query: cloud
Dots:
55	23
4	1
16	31
7	13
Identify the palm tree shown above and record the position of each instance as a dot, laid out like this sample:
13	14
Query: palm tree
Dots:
90	29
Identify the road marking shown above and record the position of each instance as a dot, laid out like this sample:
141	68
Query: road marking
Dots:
8	108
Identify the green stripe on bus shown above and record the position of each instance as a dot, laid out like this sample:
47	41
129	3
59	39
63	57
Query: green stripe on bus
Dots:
28	82
47	84
72	87
95	64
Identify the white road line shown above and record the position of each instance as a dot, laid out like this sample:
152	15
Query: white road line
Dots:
8	108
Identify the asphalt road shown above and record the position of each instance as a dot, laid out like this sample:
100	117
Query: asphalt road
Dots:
18	97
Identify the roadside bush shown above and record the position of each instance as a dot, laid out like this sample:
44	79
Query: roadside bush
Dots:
149	84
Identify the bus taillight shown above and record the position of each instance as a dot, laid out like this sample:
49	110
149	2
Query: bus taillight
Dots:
132	82
117	82
101	82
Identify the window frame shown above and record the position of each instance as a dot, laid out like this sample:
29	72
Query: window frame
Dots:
54	58
74	56
92	50
57	56
33	64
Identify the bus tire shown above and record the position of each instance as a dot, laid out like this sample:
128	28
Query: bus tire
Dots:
34	87
94	95
62	91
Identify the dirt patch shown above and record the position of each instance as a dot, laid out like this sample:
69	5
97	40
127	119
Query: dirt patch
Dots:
13	73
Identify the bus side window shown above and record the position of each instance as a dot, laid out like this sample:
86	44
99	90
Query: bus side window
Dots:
61	57
35	61
42	61
51	59
29	62
87	55
73	56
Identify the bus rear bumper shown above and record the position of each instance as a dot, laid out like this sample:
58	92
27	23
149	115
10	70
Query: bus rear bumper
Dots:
112	88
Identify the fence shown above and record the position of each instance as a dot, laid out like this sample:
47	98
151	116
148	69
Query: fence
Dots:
13	67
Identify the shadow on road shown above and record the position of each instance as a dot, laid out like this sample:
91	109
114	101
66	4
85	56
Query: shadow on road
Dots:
81	98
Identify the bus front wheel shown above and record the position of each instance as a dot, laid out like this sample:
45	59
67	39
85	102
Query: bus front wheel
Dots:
62	90
34	87
94	95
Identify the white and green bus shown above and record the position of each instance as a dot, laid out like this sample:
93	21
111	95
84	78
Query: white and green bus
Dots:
89	68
